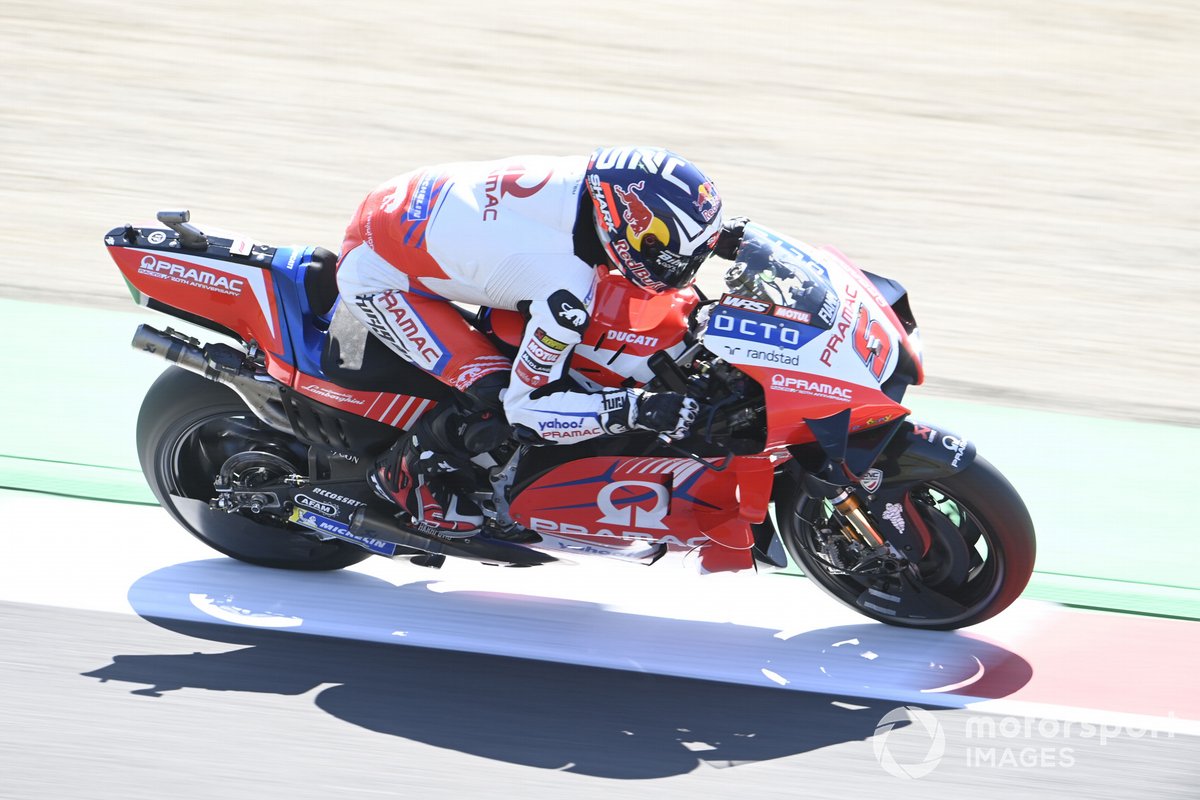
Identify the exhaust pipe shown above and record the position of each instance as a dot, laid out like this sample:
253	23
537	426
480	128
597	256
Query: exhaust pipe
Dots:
369	522
219	363
172	346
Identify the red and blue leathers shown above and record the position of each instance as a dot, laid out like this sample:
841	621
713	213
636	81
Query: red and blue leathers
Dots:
498	234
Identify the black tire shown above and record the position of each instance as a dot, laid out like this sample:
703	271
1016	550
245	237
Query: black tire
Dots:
188	426
979	504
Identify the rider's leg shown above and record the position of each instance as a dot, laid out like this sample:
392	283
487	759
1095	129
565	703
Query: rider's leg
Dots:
428	472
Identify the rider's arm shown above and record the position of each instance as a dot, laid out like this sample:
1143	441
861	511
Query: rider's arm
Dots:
541	395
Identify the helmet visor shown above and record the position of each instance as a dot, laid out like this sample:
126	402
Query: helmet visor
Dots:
672	269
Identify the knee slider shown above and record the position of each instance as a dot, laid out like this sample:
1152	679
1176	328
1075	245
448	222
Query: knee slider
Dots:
484	394
484	431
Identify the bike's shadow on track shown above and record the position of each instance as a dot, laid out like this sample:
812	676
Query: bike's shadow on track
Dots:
603	722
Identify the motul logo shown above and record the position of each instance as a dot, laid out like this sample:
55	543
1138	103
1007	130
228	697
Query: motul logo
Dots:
757	306
784	312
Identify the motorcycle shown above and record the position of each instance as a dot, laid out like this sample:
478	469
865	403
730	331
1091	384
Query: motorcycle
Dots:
261	447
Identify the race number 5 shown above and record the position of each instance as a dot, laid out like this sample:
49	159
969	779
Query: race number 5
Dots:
872	343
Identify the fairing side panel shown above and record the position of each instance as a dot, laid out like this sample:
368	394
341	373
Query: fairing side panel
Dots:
397	410
624	503
229	283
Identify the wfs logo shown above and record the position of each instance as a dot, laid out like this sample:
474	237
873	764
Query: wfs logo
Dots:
909	742
634	514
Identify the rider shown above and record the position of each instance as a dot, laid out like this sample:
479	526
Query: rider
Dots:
526	234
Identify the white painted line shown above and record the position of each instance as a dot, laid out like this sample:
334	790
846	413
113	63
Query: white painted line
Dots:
751	629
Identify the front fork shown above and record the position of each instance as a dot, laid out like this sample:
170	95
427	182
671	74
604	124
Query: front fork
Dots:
858	527
902	455
877	554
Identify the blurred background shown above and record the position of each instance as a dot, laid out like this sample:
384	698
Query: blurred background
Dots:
1029	170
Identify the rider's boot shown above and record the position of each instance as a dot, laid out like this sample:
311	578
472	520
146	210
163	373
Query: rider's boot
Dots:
429	471
431	486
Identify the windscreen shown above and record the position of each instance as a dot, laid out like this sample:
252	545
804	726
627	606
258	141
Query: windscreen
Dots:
774	270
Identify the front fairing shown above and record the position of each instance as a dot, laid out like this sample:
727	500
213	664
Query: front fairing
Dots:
815	332
628	325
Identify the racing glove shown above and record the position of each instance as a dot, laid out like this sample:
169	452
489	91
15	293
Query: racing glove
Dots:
731	238
669	413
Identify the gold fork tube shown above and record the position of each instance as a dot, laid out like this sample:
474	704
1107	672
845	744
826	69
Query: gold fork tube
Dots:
849	507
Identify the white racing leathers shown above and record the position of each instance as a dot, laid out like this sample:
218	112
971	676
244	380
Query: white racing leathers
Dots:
496	234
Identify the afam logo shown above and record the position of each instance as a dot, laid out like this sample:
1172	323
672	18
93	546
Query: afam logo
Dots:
328	509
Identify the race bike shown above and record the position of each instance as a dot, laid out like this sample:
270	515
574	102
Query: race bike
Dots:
261	446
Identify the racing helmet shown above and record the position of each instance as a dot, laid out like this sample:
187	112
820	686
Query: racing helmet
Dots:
656	213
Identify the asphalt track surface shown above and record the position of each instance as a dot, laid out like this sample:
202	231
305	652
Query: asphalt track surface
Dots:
153	669
110	706
1030	172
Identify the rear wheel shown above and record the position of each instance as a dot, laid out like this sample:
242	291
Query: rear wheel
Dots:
980	557
189	429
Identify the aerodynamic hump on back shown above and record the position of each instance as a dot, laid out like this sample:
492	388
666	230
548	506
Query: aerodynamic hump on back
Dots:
220	283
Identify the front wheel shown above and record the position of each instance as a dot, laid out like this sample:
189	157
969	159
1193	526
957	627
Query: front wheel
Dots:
979	559
189	429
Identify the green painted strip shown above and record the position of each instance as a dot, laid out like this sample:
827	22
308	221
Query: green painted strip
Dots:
117	484
1102	595
1108	497
1106	595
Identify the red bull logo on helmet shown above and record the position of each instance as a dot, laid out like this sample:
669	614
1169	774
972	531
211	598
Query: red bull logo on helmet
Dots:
636	214
708	202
